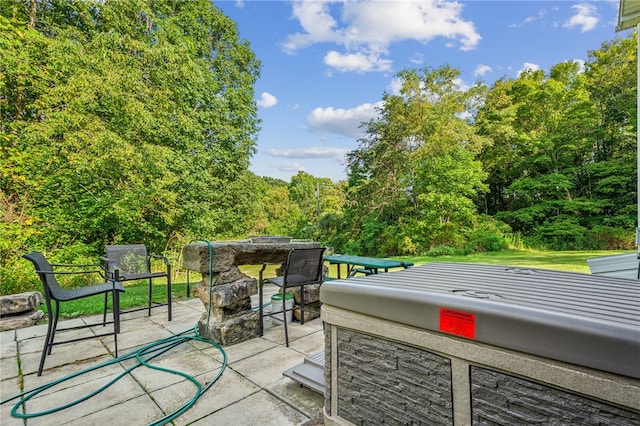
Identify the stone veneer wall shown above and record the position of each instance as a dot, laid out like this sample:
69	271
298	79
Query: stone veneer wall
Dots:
327	370
498	398
382	382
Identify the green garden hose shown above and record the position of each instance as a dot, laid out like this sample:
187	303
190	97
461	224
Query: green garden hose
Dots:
143	356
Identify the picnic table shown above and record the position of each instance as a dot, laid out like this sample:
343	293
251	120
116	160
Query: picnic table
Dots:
363	264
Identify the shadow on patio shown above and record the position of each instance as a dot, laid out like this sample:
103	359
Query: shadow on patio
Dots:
250	391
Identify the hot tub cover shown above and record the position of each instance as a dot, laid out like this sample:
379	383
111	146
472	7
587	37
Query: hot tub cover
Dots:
588	320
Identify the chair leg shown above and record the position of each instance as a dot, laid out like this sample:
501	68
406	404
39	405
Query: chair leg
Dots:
284	315
53	329
46	347
170	315
150	294
115	298
104	312
260	309
302	305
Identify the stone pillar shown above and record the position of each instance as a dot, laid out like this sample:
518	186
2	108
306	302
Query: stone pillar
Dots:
225	291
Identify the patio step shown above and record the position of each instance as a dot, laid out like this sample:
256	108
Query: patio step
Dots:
309	373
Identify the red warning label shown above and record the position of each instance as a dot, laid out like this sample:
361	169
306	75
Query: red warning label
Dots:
458	322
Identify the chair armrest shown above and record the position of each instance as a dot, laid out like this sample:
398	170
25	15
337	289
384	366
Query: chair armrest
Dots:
265	264
157	256
74	265
110	268
91	271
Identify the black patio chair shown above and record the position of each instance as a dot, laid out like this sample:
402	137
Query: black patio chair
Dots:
302	267
53	292
131	263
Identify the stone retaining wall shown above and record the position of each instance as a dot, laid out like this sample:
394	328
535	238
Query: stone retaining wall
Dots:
19	310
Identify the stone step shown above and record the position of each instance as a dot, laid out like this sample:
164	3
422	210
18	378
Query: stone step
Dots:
309	373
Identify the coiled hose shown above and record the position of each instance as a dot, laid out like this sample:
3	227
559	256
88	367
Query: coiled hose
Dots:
143	356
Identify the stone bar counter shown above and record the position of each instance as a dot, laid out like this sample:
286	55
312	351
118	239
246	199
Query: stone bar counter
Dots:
231	319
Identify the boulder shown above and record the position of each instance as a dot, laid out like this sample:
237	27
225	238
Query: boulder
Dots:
21	320
226	294
311	311
18	303
232	330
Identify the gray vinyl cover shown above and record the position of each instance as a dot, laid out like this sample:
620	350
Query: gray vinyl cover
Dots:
588	320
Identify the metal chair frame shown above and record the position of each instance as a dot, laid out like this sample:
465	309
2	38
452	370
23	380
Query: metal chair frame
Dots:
116	271
56	294
302	267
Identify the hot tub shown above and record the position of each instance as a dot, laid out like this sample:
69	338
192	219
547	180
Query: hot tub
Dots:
462	344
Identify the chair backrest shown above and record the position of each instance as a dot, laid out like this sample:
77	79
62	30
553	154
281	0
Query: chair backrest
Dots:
51	287
131	260
304	266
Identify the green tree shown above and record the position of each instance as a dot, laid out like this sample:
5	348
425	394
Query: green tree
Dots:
413	178
561	165
124	121
278	215
302	191
611	178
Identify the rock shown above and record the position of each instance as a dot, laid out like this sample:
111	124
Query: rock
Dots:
311	293
224	295
18	303
195	257
233	330
226	312
226	254
233	274
21	320
311	311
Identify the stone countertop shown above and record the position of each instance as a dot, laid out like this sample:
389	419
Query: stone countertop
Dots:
195	256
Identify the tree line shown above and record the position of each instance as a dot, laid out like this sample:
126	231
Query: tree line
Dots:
135	121
548	157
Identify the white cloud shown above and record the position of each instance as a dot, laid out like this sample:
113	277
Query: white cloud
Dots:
366	29
292	166
417	59
586	17
462	85
481	70
267	100
356	62
395	86
317	23
541	14
344	122
528	66
310	152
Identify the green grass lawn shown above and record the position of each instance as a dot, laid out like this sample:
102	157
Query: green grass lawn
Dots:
574	261
136	293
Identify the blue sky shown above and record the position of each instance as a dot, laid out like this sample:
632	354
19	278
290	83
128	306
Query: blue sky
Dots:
326	64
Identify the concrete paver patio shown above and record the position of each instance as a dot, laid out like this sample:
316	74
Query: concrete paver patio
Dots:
250	391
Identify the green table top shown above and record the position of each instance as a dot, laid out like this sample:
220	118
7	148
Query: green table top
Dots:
367	262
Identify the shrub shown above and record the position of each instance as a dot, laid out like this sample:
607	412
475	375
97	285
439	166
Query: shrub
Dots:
489	235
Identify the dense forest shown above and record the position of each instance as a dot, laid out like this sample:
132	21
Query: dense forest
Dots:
135	121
